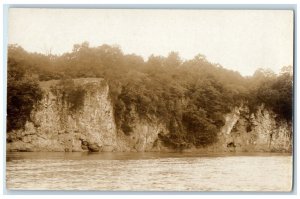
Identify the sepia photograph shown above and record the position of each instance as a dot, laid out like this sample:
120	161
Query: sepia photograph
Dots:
197	100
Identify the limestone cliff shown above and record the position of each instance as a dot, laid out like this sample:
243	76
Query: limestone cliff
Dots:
144	134
53	127
260	131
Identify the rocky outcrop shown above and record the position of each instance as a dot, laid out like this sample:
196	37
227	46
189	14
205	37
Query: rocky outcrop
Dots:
255	132
144	134
53	127
144	137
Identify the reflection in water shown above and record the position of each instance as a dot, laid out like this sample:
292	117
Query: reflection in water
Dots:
149	171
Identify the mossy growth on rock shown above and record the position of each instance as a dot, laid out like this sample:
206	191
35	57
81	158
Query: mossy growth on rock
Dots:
70	93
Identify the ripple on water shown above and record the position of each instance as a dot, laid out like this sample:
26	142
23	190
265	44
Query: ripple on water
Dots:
225	173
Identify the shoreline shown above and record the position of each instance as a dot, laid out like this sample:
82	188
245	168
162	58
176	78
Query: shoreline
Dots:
49	155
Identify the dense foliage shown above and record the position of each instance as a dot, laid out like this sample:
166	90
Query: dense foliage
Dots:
23	91
190	96
274	91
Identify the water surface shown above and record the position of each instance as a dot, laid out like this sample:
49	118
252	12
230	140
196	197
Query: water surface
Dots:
149	171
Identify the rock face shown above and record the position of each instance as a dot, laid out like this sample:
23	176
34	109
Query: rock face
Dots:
259	132
144	134
143	138
53	127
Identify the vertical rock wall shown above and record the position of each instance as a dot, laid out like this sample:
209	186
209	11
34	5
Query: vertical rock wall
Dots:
259	132
53	127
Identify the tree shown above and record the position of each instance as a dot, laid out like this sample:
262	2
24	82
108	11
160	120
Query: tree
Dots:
23	91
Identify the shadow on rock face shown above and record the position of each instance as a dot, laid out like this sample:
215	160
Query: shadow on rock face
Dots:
94	147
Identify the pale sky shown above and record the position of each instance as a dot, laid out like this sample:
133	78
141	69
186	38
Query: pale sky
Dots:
239	40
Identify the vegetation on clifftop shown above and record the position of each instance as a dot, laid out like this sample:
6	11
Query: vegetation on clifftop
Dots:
190	96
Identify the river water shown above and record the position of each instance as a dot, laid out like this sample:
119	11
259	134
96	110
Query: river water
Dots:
149	171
